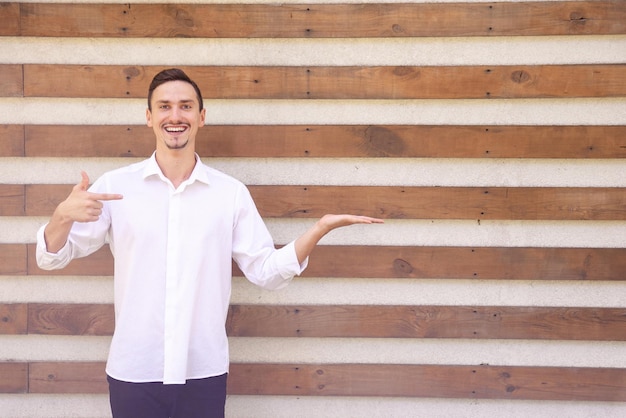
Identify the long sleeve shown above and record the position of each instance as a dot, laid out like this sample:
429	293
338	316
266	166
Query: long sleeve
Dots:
254	250
84	239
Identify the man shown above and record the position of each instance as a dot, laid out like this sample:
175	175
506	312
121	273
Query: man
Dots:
173	225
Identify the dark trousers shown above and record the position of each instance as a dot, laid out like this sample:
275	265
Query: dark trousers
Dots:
198	398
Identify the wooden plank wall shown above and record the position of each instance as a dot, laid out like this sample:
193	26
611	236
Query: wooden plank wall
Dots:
490	136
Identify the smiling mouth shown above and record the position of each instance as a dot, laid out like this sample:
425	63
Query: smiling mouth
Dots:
175	129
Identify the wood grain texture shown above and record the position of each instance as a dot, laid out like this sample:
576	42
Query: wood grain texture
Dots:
13	377
330	141
317	20
483	263
12	200
11	78
12	141
381	82
488	263
483	322
67	377
481	382
70	319
11	17
433	381
13	318
13	259
395	202
359	321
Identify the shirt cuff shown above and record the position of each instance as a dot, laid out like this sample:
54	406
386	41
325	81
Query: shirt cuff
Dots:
295	268
47	260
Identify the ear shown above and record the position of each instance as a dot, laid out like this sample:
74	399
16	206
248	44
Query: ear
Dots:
149	118
202	116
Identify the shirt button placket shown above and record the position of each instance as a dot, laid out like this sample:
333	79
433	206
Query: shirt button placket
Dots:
171	281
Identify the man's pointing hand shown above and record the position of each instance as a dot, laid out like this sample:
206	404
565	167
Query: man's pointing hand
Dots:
82	205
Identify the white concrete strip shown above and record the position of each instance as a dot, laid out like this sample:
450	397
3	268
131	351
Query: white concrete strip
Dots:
348	350
429	351
517	50
582	234
408	172
53	348
449	292
56	289
345	291
55	405
24	170
376	407
237	406
426	172
591	111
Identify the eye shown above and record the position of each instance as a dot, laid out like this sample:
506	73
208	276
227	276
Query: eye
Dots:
164	107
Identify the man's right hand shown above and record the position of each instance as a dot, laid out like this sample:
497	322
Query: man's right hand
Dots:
80	206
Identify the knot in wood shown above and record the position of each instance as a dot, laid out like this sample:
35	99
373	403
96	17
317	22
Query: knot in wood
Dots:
520	76
397	28
382	141
402	266
184	17
131	72
404	71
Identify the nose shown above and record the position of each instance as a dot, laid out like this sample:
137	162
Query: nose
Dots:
174	114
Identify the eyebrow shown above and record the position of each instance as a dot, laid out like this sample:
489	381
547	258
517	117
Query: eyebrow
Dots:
180	101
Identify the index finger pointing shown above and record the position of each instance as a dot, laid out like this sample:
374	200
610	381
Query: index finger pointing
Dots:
106	196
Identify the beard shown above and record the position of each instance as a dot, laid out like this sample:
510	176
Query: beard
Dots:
177	145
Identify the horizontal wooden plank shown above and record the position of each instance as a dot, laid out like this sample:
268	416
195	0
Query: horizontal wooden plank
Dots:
10	15
381	82
67	377
365	321
335	141
13	259
486	263
11	78
41	200
12	140
319	20
395	202
70	319
404	380
480	382
13	318
517	203
12	200
484	322
97	141
13	377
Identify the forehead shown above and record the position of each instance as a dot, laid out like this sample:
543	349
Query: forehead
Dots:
175	91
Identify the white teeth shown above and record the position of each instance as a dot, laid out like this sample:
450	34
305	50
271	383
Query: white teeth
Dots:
177	129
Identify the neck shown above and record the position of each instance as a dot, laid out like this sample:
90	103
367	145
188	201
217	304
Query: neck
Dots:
176	166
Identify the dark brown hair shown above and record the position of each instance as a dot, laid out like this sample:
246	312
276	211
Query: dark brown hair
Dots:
173	74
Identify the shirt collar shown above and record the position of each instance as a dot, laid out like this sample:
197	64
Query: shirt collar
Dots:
153	169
